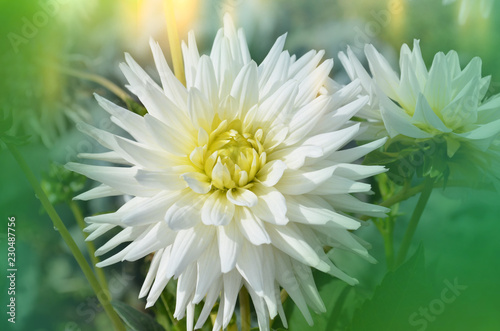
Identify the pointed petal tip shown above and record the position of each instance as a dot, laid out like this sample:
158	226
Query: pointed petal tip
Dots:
142	294
101	264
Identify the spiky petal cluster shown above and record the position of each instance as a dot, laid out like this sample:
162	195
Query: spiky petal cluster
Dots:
237	179
444	102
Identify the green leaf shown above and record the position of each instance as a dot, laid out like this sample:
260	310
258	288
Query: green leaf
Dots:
400	294
136	320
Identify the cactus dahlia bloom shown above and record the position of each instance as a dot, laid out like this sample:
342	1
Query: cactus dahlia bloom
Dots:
445	103
237	179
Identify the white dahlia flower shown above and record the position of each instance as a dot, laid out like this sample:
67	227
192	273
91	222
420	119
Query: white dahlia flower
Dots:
237	179
445	103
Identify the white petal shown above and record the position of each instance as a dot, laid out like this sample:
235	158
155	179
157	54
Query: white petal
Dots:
483	132
311	209
198	182
250	265
169	179
229	245
185	288
221	178
343	239
142	155
269	62
295	157
232	285
308	287
206	81
348	203
161	278
208	272
271	206
118	257
98	231
191	57
157	236
296	182
242	197
171	140
425	115
338	118
185	212
232	38
217	210
338	185
306	119
396	121
245	89
279	105
252	228
271	173
260	309
289	240
200	110
212	296
310	85
332	141
355	153
172	88
129	121
285	276
275	137
153	267
125	235
151	210
118	178
312	237
112	157
100	191
188	247
384	75
278	77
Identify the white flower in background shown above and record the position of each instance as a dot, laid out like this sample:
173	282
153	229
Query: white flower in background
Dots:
237	179
468	6
444	101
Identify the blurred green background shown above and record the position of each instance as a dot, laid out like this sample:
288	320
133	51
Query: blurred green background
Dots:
41	40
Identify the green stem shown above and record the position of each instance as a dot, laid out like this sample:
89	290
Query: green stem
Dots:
59	225
99	80
167	309
389	250
90	246
244	309
386	228
415	218
407	193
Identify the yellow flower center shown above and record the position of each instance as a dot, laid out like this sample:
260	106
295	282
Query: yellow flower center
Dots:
229	156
